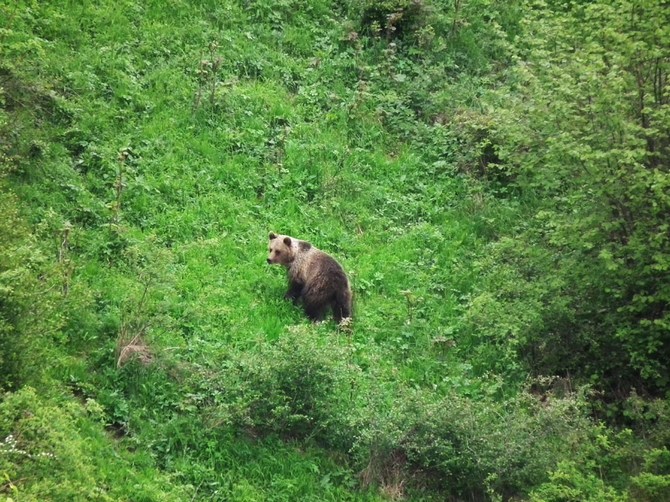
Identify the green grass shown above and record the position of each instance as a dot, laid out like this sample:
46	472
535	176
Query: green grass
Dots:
169	140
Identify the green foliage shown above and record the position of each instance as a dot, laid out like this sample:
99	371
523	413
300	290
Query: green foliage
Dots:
473	448
296	388
13	275
569	483
653	483
29	319
392	19
584	142
492	175
55	449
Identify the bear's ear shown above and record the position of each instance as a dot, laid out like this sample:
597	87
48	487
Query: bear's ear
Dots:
273	236
287	241
305	246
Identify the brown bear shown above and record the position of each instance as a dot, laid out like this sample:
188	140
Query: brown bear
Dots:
315	278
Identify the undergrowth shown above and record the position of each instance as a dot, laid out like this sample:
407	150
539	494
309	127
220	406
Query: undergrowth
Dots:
492	177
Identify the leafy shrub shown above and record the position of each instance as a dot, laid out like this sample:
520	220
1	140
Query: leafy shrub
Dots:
392	18
648	487
653	483
468	448
650	417
57	450
297	387
585	149
568	483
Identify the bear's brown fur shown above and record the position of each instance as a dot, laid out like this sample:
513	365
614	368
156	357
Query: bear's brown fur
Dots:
315	278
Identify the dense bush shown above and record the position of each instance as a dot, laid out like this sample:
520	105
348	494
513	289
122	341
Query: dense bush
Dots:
582	283
471	448
302	386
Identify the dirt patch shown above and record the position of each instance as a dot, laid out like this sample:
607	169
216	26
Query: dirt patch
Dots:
135	349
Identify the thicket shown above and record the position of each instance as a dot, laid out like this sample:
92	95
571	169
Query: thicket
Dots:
493	176
585	137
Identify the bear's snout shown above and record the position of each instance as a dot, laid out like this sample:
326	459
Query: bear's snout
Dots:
269	261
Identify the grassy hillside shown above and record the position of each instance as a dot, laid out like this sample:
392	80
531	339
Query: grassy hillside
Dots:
494	179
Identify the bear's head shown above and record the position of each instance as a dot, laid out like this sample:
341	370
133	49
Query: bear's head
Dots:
281	250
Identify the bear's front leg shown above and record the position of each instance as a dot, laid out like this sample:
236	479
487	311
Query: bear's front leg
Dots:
294	292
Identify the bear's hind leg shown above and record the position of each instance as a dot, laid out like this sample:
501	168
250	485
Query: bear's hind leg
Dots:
340	313
315	312
342	306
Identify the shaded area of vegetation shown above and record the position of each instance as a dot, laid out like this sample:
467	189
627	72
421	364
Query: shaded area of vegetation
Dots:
494	178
